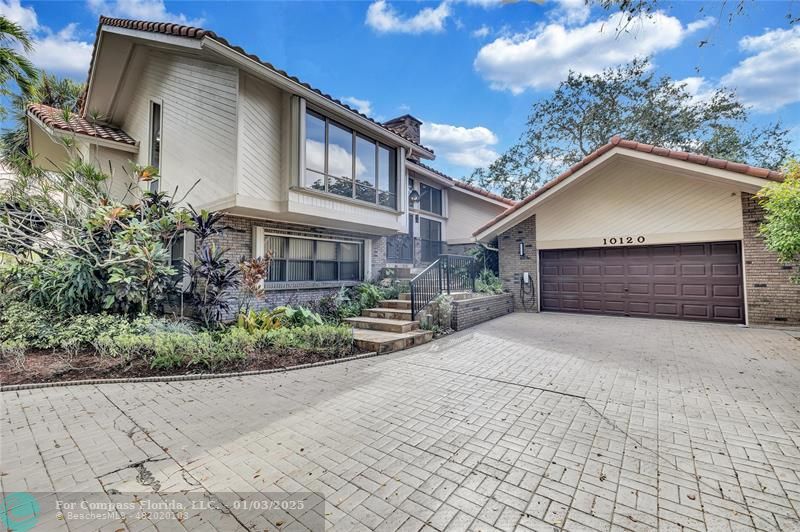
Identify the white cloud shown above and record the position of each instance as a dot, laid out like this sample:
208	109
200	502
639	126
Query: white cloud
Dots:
770	77
62	52
482	32
467	147
384	18
154	10
542	57
699	87
570	12
362	106
24	16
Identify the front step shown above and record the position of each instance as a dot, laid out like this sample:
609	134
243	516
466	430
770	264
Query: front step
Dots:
381	324
396	303
457	296
387	313
386	342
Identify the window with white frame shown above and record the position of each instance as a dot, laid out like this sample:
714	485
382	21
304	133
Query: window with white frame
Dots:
430	199
344	162
155	141
307	259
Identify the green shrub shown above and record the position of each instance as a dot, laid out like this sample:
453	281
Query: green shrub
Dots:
298	316
252	320
488	283
126	346
330	340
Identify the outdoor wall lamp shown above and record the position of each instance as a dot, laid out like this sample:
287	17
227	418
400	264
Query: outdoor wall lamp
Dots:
522	248
413	197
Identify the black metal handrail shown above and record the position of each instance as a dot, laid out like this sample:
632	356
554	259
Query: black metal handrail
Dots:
447	274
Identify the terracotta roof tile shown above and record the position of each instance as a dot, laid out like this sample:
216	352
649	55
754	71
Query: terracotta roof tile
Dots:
617	142
180	30
467	186
55	118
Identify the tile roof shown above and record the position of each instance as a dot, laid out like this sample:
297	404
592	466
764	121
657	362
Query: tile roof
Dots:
467	186
618	142
179	30
55	118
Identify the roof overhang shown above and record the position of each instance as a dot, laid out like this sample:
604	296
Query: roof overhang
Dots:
430	175
58	134
616	155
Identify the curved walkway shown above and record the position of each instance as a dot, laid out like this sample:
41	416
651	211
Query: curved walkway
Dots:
525	422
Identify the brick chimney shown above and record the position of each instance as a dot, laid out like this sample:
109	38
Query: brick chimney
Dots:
406	126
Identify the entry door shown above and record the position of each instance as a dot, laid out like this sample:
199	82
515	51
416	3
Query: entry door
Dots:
683	281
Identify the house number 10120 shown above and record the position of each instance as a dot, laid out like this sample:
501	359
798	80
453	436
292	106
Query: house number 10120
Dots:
613	241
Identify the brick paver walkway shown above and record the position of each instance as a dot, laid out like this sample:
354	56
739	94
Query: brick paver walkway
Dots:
529	421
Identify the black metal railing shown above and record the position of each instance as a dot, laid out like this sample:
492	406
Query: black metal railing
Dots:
447	274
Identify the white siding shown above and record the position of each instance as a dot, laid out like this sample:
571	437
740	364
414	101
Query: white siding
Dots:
259	139
637	200
199	123
117	165
465	214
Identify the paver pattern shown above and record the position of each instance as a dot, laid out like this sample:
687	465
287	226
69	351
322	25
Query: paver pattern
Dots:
526	422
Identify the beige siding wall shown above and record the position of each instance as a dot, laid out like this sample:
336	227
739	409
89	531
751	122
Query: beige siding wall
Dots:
260	110
117	165
635	200
199	123
467	213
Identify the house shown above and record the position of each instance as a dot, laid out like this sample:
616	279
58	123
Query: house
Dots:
334	195
638	230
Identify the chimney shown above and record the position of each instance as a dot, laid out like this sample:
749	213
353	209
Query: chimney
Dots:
406	126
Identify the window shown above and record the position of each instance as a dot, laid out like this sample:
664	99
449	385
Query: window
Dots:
305	259
430	233
342	162
155	141
430	199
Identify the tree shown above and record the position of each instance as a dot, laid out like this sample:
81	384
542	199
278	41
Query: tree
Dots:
13	65
727	9
47	89
781	227
585	111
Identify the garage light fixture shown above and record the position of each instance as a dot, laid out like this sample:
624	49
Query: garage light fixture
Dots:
522	249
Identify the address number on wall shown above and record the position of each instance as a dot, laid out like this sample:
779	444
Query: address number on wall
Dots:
622	240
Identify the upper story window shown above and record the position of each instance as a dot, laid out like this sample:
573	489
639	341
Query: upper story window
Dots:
342	162
430	199
155	141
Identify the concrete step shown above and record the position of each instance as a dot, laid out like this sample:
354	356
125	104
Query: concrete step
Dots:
395	303
458	296
382	324
387	313
386	342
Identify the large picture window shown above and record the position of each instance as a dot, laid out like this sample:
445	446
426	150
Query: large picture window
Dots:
430	199
342	162
305	259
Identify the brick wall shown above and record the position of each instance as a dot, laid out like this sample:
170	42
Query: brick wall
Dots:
378	255
512	265
239	241
771	297
469	312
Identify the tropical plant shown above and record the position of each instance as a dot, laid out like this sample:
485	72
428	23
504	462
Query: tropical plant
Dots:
254	272
585	111
488	283
486	256
14	66
298	316
781	227
263	320
212	276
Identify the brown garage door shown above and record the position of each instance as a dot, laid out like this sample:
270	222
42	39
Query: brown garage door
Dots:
683	281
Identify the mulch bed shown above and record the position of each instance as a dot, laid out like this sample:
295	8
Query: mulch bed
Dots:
54	366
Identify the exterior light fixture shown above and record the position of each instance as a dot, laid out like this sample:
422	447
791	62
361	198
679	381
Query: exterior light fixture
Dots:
522	249
413	197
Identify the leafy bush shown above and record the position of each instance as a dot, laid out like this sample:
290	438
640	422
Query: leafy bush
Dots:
127	346
441	312
781	227
252	321
488	283
330	340
298	316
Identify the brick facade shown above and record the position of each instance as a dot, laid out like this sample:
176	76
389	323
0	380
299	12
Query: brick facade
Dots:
771	297
512	265
469	312
238	240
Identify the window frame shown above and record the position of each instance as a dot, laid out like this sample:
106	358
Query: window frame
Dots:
422	187
155	185
286	261
392	164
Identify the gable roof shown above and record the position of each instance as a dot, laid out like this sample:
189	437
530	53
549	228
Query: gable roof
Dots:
618	142
466	186
75	123
190	32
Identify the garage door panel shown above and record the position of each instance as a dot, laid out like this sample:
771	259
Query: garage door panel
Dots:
687	281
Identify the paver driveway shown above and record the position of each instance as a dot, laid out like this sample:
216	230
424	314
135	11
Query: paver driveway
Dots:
529	421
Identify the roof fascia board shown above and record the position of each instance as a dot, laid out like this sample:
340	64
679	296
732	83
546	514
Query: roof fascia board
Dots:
480	197
427	174
169	40
319	101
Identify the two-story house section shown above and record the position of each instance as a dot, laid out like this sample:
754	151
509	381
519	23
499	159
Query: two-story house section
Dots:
324	188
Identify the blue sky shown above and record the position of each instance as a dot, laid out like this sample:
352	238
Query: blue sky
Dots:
469	69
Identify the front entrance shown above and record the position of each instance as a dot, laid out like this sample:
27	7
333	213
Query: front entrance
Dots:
682	281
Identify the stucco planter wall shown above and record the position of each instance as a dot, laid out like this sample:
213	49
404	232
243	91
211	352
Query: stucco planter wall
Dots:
475	310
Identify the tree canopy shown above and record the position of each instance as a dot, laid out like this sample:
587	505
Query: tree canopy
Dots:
585	111
781	227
